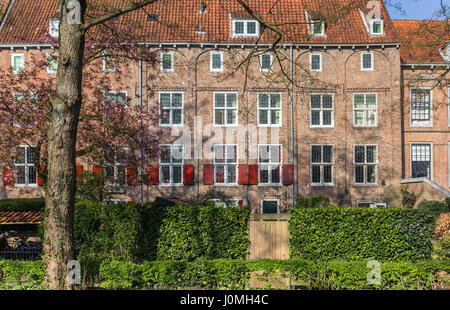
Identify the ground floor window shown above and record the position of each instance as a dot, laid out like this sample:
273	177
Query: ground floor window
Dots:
371	205
220	204
270	206
421	160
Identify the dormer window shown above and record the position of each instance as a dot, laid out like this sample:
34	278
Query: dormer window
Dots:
54	28
317	28
376	27
245	28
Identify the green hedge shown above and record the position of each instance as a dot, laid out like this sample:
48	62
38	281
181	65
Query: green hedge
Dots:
21	275
434	207
341	233
312	201
22	204
236	273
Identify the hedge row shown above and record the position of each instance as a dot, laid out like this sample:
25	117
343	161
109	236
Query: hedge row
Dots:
22	204
341	233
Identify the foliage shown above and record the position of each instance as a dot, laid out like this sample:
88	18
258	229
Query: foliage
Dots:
22	204
442	225
21	275
384	234
443	247
90	186
312	201
205	198
408	199
434	207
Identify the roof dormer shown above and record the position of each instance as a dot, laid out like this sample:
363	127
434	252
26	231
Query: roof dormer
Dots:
316	24
374	23
53	28
445	52
243	26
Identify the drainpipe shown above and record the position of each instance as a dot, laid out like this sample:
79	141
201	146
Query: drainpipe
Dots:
141	190
292	123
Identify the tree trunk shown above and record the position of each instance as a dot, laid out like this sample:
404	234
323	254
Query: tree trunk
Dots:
62	134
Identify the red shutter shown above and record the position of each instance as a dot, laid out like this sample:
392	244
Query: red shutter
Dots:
97	170
240	203
39	179
288	174
153	175
130	201
244	175
79	173
208	174
188	175
131	175
253	179
8	177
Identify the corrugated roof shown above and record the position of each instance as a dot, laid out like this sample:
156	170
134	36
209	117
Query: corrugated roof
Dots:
11	217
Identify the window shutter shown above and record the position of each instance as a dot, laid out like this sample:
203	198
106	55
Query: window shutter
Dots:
130	201
131	175
208	174
240	203
288	174
253	175
153	175
244	175
8	177
188	175
39	179
79	173
97	170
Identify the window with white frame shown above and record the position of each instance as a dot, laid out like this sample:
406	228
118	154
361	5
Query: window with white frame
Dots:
269	163
119	97
221	204
317	28
266	61
53	28
366	164
421	164
17	63
245	28
167	62
421	107
171	107
322	161
225	164
365	110
366	61
269	109
216	61
52	63
225	109
270	206
322	110
371	205
26	174
109	63
113	201
376	27
115	171
316	62
171	165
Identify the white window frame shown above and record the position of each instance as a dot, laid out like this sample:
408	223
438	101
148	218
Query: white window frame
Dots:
225	108
26	165
311	62
372	21
372	61
171	108
21	55
365	164
321	164
114	186
431	157
236	201
245	33
49	71
171	165
261	62
373	205
269	200
104	55
365	109
162	61
321	111
115	92
270	165
270	109
225	164
422	124
53	27
211	55
321	34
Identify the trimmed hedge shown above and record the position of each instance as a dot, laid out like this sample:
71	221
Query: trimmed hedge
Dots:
236	273
342	233
312	201
21	275
434	207
22	204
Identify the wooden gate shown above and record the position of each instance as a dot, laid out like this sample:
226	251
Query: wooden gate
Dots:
269	238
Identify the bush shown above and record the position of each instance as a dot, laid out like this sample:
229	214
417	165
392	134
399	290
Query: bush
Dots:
442	225
358	233
434	207
312	201
22	204
21	275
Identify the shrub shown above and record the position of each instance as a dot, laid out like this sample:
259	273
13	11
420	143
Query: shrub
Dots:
434	207
358	233
22	204
21	275
312	201
442	225
408	199
443	247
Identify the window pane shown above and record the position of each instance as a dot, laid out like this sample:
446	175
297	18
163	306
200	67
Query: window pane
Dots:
264	174
359	154
220	174
167	61
219	117
359	118
359	101
231	154
231	100
266	61
20	174
315	117
231	174
121	174
371	154
219	100
177	100
177	154
32	175
263	101
327	153
327	101
264	117
20	156
165	155
316	174
165	117
217	61
315	101
371	117
177	116
165	174
275	115
327	174
275	100
239	27
371	100
317	27
275	174
367	61
315	62
231	117
316	154
371	174
326	117
165	100
177	174
376	27
30	155
251	27
275	154
264	154
270	207
219	154
359	174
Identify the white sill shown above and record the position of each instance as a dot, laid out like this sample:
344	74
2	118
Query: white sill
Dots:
362	69
109	71
356	126
170	125
366	184
234	125
270	184
429	125
217	71
171	185
167	71
268	126
320	126
312	70
26	185
322	185
226	184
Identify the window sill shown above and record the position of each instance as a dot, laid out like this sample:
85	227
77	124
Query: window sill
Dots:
168	125
171	185
270	184
321	127
269	126
322	185
366	185
226	185
26	186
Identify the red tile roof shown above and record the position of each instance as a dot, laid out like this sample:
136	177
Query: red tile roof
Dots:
179	20
422	39
30	217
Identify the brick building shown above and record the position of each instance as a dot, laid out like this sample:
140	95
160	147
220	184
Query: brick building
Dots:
326	114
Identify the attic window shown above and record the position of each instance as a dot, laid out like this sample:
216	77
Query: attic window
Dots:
376	27
53	28
245	28
318	28
203	7
152	17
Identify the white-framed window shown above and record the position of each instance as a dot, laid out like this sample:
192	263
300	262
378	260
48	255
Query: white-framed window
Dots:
269	109
115	172
365	110
53	28
421	107
244	28
266	62
366	61
52	63
422	160
117	96
366	164
315	61
216	61
167	62
317	28
220	204
376	27
225	164
225	109
322	165
114	201
108	62
171	108
171	165
25	173
371	205
17	62
322	111
270	206
269	164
